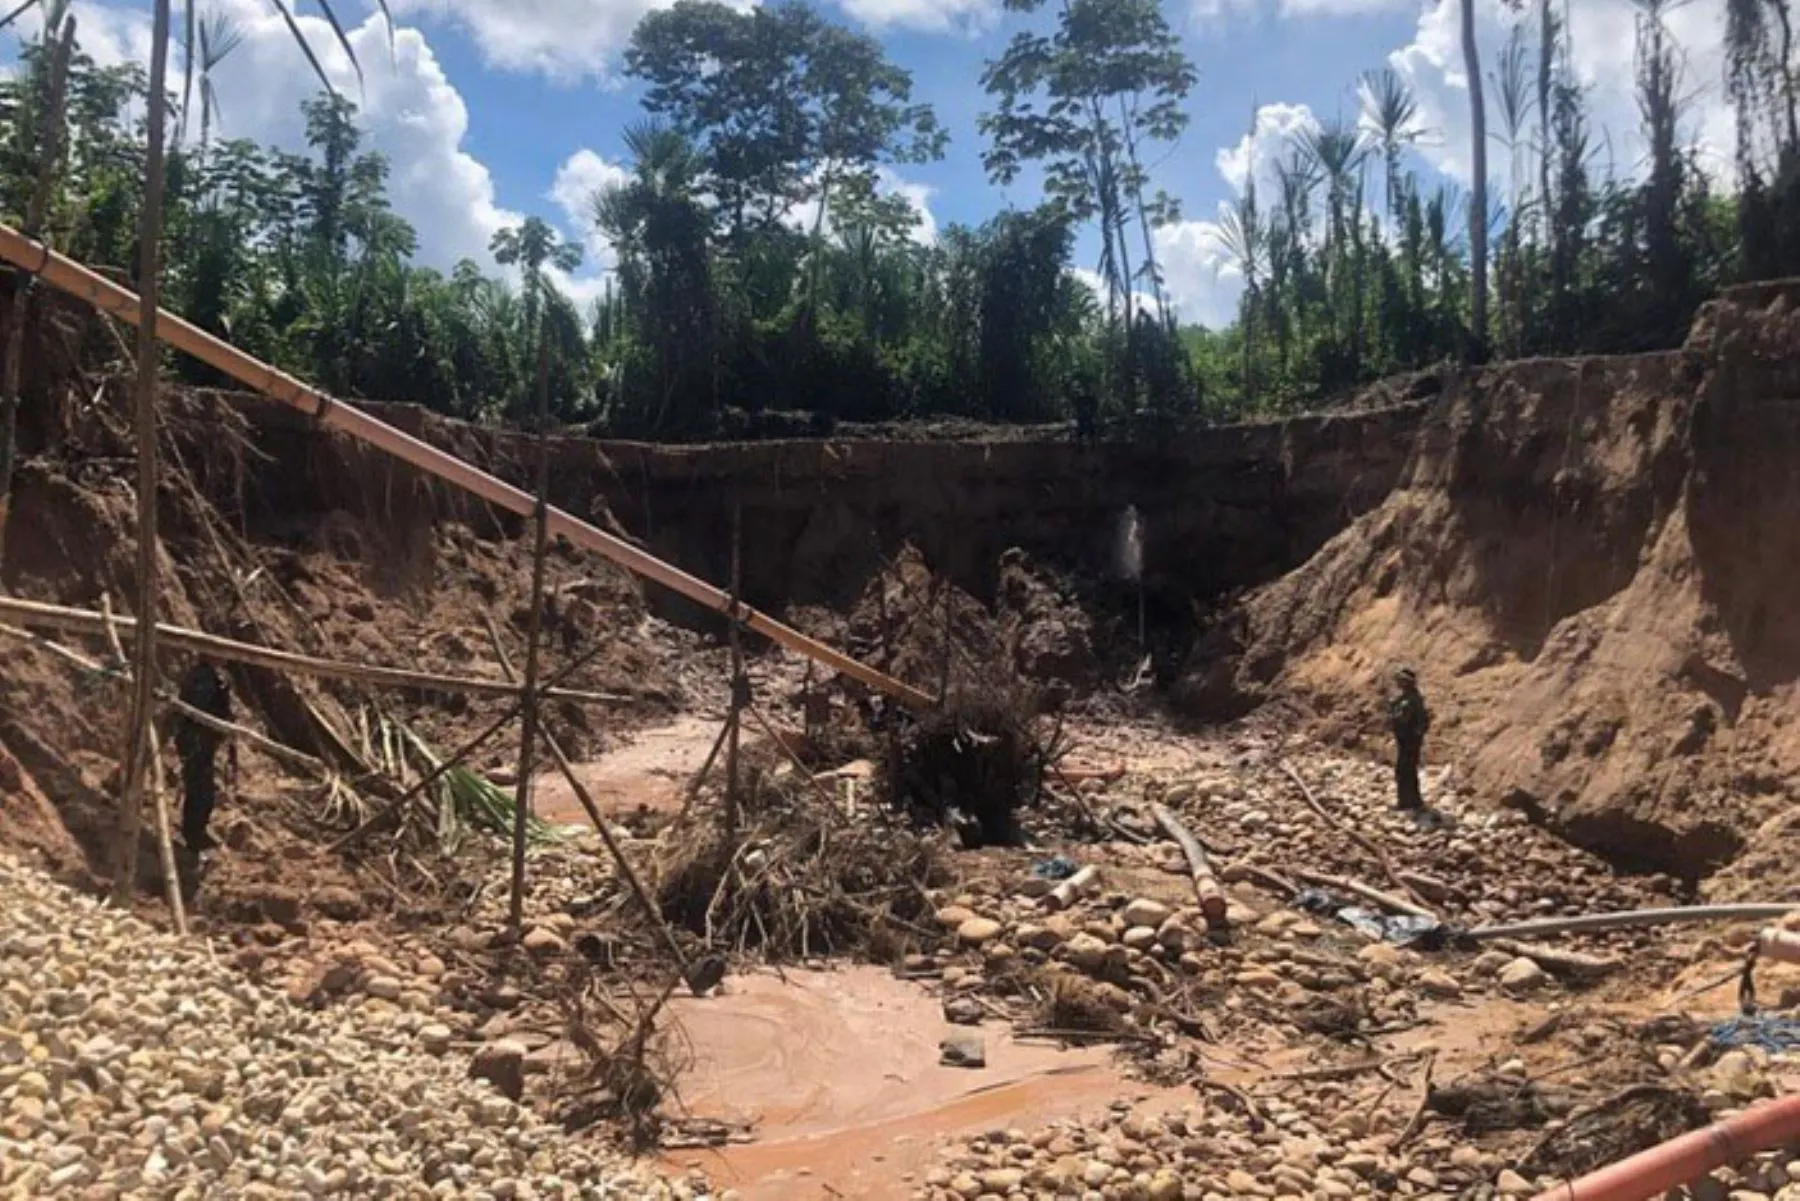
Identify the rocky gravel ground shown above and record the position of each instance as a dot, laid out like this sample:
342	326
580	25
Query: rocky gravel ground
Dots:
1351	1024
134	1064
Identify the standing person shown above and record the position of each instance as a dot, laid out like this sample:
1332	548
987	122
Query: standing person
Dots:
1410	719
205	689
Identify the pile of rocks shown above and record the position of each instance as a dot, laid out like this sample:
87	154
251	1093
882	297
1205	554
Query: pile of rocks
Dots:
1295	1148
133	1063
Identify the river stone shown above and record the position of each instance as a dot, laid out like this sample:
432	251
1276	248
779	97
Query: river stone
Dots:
978	930
963	1051
1145	912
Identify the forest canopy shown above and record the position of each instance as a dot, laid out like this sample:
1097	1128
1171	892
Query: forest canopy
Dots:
763	265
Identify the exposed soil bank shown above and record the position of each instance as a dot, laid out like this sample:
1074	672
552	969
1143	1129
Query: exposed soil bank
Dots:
1589	562
1223	508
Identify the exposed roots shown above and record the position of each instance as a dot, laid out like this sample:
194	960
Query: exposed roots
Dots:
972	762
802	883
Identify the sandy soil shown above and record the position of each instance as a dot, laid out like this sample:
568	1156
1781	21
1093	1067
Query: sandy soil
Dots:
647	770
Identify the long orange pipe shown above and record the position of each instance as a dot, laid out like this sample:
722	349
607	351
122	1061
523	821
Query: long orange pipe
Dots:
108	297
1684	1160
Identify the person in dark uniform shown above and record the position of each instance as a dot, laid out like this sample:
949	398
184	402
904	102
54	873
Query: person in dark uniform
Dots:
1410	720
204	688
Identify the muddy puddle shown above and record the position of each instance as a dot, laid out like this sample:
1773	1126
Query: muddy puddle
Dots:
839	1074
651	770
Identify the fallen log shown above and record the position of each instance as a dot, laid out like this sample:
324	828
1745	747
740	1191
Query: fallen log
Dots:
1358	889
1206	885
84	621
1558	962
1070	890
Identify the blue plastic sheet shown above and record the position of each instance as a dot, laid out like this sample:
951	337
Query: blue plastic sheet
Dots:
1770	1032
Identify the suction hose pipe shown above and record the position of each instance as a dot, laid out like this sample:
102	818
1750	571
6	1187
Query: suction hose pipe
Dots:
1683	1160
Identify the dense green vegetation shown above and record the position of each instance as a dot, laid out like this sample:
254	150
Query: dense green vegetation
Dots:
760	263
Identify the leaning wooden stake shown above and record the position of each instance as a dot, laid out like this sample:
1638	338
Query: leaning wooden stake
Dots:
158	794
263	743
139	746
1206	885
211	646
740	685
632	881
159	800
63	272
528	725
49	153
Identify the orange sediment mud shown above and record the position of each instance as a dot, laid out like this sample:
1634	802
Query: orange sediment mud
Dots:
839	1073
651	770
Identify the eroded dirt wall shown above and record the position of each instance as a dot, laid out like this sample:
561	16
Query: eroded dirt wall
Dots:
1222	509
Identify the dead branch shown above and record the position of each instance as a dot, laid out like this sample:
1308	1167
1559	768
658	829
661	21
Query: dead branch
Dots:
1206	885
1354	835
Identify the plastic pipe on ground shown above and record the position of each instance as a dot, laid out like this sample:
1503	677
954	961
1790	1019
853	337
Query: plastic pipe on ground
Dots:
106	296
1683	1160
1783	946
1593	922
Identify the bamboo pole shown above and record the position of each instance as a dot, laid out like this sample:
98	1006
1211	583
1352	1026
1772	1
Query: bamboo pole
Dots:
159	800
528	724
632	880
85	621
106	296
143	701
263	743
740	684
49	153
1206	885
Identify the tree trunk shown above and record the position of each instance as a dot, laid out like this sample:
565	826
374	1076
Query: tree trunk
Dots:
138	744
528	721
1478	209
49	150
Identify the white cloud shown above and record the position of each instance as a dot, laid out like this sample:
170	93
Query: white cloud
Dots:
1268	141
1202	278
581	175
1603	39
1203	281
408	110
887	183
935	16
564	39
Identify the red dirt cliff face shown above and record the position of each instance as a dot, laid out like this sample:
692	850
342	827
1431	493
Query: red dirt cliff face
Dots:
1592	564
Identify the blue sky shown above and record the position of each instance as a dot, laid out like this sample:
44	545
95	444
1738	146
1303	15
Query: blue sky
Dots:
491	109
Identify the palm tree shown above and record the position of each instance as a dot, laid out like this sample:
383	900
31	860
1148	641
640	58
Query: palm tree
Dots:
1243	236
1478	207
219	36
141	743
1390	112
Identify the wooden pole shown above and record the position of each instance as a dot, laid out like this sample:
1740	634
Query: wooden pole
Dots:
143	701
49	153
211	646
740	684
1206	885
106	296
632	880
528	725
159	800
268	746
